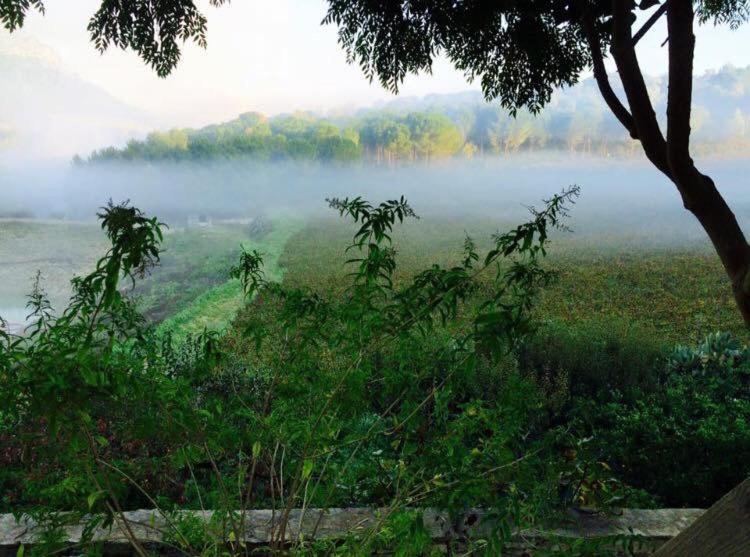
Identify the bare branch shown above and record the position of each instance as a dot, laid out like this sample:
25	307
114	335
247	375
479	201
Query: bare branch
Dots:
650	22
602	79
623	52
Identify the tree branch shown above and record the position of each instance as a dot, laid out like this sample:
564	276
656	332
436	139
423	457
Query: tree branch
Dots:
623	52
680	16
602	80
650	22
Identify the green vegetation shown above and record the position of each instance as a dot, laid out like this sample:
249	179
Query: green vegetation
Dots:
399	374
449	126
188	290
490	44
299	137
378	382
339	386
687	440
193	261
672	291
215	308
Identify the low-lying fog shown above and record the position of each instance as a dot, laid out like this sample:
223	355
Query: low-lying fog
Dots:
618	197
615	193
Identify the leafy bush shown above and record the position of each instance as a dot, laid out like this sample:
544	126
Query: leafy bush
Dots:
594	357
689	442
377	397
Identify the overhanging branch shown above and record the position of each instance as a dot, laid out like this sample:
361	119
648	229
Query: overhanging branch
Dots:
644	117
661	10
602	79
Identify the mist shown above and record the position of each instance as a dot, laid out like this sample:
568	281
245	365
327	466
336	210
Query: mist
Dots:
616	195
624	204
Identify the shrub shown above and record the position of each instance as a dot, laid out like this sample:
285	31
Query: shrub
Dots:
594	358
689	442
376	397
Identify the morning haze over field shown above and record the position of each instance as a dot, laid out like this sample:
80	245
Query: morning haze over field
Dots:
75	134
342	253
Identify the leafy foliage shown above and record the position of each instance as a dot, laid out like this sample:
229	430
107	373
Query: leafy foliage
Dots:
728	12
249	270
393	393
380	397
153	29
13	12
519	51
394	39
594	358
687	442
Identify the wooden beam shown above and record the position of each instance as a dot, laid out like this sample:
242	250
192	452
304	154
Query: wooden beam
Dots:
647	529
722	531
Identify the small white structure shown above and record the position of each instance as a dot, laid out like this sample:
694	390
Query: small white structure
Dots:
199	221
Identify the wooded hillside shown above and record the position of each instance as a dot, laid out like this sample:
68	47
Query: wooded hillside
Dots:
453	125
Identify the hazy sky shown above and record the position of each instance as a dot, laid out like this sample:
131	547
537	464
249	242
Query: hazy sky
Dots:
274	56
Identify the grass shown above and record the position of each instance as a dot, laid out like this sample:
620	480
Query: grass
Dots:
676	291
656	280
215	308
682	295
333	386
188	291
58	249
193	261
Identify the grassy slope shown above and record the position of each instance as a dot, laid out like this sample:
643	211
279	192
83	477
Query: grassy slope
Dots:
215	308
680	293
193	261
189	289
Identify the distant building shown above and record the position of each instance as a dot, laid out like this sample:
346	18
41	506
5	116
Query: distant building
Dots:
199	221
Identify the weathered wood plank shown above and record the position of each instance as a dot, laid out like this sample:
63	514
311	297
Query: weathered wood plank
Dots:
653	527
722	531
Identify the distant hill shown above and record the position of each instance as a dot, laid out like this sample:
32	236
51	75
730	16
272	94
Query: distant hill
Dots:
463	124
47	110
721	106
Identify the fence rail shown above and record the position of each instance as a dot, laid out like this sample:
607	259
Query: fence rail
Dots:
646	530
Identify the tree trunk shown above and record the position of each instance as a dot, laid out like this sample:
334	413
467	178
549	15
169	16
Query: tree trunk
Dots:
671	155
700	197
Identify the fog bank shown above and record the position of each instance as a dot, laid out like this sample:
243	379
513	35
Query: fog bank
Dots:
615	194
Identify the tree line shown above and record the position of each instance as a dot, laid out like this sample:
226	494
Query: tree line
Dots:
452	125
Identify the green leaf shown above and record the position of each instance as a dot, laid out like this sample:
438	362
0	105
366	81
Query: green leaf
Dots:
307	468
256	449
93	498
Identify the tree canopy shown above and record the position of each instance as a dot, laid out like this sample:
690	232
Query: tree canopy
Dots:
520	51
455	125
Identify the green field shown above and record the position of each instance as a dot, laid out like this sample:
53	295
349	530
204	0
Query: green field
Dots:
216	306
57	249
611	395
678	292
189	289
